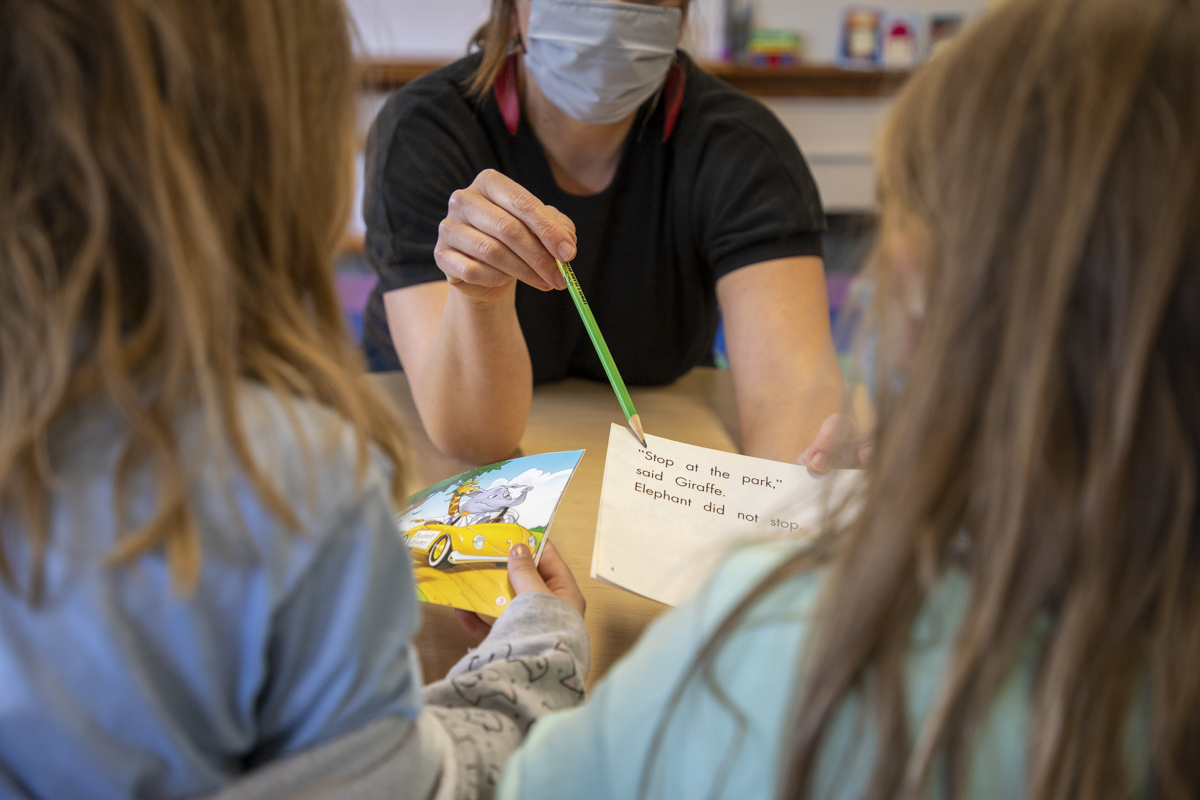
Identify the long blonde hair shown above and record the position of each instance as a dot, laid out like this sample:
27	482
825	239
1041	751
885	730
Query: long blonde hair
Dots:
174	182
1046	437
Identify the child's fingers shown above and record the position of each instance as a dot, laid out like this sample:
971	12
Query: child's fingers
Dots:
476	628
523	573
552	565
552	577
560	579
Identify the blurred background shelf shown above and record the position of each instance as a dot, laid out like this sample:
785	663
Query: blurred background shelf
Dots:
389	74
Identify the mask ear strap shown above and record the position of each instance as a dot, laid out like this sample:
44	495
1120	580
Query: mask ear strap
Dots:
673	98
507	97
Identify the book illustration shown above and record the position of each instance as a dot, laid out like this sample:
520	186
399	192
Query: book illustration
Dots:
460	531
670	512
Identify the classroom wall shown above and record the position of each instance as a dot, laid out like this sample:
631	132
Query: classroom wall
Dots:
836	135
416	28
819	21
422	29
442	29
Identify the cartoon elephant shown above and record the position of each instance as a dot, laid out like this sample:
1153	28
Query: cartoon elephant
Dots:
491	505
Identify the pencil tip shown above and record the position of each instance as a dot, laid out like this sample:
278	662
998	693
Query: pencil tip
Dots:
635	423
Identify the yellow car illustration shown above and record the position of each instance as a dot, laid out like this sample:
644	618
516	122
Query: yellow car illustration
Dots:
445	546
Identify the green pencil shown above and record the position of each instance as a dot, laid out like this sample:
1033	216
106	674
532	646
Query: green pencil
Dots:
610	367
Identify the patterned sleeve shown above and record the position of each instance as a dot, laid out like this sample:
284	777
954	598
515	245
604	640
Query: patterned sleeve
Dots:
534	661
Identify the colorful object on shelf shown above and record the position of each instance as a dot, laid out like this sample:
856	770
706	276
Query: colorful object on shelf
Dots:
770	49
943	28
901	41
860	38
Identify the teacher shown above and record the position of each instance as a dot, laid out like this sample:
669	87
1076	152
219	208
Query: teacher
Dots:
580	131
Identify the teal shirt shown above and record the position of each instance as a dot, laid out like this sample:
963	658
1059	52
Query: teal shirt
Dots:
733	749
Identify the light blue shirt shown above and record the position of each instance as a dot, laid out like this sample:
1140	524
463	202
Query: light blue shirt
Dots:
711	746
116	687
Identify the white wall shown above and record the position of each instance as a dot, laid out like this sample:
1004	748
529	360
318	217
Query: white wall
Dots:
441	29
836	135
417	28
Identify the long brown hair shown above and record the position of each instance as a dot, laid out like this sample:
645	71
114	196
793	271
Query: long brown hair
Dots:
492	39
1046	437
174	181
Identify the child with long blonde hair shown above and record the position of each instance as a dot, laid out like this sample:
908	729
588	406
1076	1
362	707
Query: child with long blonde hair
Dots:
1014	608
201	585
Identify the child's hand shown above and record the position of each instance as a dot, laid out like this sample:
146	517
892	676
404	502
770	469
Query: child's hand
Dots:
551	576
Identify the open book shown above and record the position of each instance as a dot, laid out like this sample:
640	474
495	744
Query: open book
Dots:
460	530
671	512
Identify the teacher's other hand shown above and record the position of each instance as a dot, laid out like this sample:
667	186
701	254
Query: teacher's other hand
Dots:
496	233
840	444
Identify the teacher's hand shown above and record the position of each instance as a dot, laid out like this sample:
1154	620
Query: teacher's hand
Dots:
839	445
496	233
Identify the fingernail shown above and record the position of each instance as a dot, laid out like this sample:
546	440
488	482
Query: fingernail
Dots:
566	251
520	551
819	462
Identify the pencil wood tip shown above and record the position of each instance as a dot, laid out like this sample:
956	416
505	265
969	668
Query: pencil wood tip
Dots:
635	423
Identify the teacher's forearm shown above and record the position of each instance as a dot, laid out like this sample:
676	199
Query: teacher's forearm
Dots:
474	389
780	419
780	347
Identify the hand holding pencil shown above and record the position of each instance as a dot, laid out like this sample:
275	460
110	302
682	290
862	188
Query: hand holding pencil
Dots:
479	218
497	232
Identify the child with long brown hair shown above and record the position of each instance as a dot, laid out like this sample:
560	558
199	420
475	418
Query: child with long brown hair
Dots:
1014	608
201	584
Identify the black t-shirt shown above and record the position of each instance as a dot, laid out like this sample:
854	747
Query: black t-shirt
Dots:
728	189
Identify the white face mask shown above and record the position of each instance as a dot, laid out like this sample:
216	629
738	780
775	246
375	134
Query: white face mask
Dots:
598	60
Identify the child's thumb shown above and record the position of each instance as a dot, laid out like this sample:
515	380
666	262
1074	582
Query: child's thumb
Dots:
522	572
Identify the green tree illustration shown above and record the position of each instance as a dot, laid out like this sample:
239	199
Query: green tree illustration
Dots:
442	486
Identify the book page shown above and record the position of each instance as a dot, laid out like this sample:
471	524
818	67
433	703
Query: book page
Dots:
670	512
459	531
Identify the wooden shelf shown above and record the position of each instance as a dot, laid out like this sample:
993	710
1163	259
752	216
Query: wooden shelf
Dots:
385	75
808	81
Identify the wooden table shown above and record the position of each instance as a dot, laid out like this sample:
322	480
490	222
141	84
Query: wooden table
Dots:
698	409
